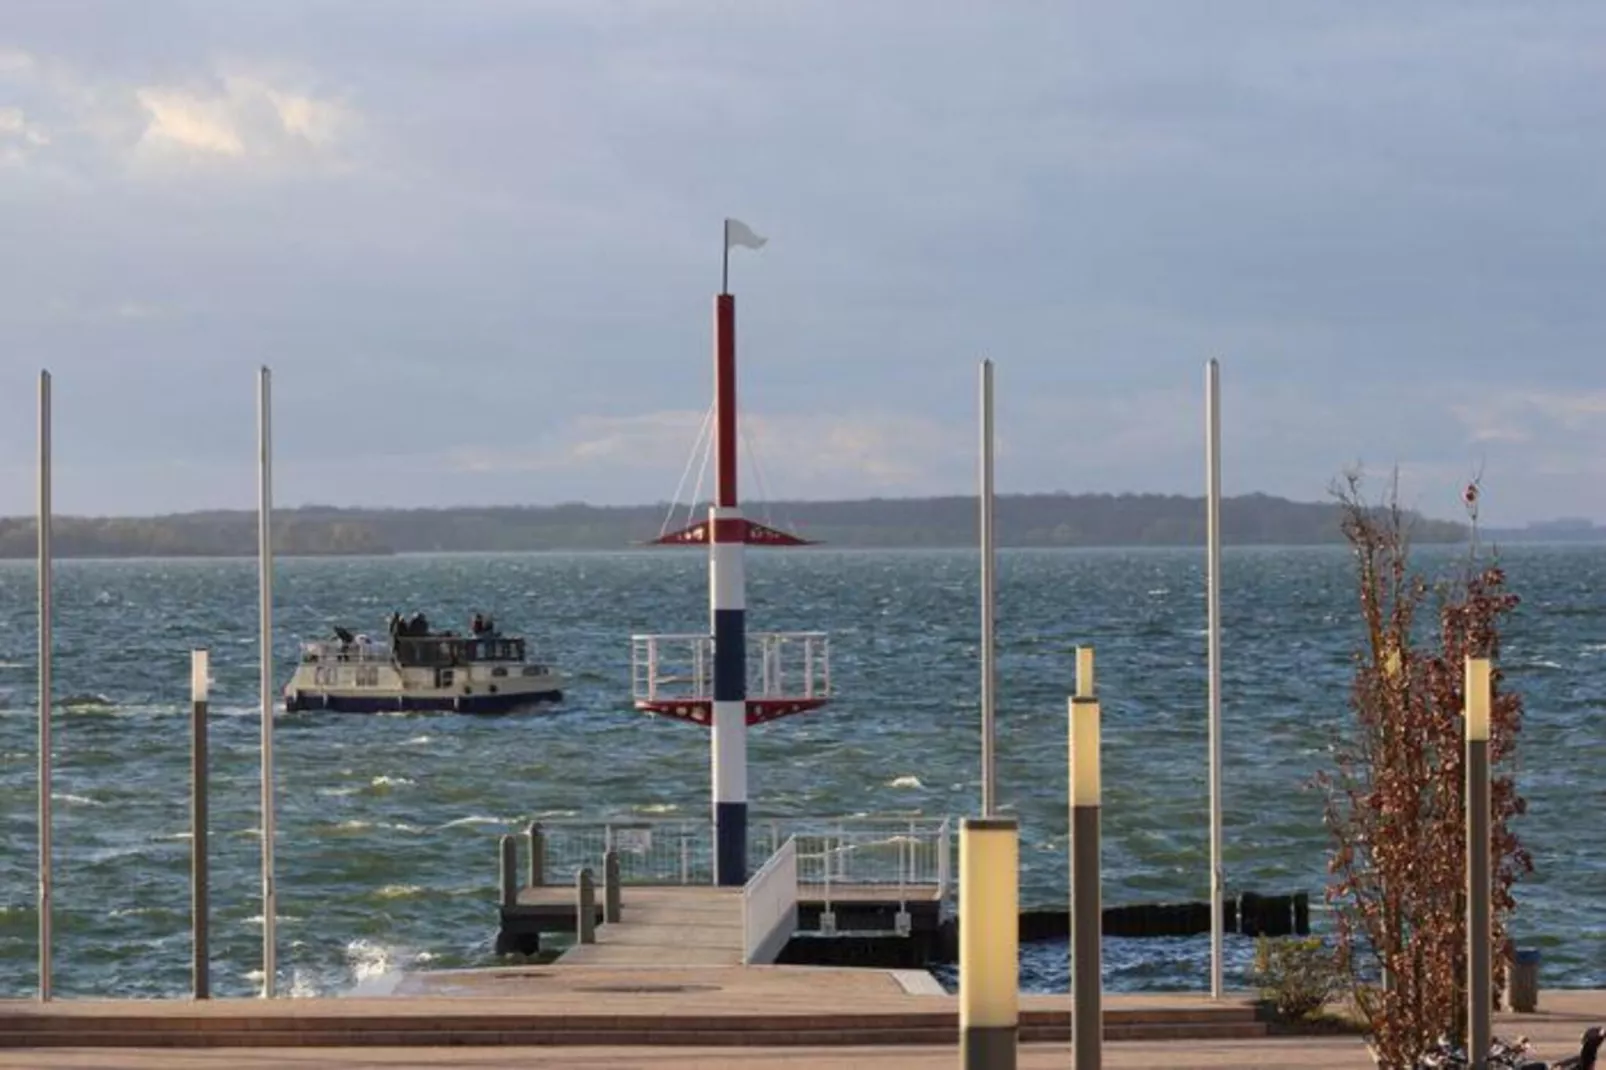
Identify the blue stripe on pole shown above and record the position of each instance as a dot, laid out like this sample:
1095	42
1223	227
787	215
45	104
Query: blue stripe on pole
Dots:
730	655
730	860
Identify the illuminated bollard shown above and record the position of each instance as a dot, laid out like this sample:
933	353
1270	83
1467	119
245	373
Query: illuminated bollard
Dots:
1479	936
1087	983
989	942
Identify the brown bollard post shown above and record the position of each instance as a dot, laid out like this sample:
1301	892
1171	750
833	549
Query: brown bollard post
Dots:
585	907
200	910
510	871
537	855
610	887
1087	981
1480	1008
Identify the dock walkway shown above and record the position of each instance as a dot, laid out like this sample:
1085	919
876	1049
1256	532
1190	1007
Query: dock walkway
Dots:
668	926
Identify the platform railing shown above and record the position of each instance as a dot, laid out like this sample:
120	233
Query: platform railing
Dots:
769	906
780	666
908	852
650	850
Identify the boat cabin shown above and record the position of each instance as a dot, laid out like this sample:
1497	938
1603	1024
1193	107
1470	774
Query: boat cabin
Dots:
441	650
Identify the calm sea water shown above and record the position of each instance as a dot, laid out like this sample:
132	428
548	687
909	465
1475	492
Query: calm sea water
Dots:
388	824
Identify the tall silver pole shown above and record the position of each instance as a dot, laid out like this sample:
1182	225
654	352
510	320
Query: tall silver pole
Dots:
1213	539
989	681
265	560
45	908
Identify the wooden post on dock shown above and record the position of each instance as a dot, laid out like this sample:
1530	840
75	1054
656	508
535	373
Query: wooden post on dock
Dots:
610	887
585	907
199	912
537	855
510	871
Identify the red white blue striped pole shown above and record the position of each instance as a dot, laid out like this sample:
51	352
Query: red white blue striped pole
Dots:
728	604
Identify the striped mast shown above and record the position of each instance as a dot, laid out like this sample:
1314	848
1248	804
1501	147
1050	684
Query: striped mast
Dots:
728	604
728	710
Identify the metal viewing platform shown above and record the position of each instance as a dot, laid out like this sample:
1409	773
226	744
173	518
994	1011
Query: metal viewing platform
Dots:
787	673
858	879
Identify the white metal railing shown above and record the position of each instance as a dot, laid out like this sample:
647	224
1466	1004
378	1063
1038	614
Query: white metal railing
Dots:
335	650
902	852
769	906
780	665
901	858
651	850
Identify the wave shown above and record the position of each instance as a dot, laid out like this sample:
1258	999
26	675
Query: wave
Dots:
905	782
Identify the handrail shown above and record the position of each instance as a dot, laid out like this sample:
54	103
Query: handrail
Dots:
769	907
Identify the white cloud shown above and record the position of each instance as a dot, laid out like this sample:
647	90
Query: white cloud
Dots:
1524	416
187	121
247	118
786	455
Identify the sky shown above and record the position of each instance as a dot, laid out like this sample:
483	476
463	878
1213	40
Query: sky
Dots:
477	244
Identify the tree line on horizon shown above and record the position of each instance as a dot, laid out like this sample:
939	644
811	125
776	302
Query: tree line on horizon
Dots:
1021	520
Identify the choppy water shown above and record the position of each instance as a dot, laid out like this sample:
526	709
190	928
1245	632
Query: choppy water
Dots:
388	824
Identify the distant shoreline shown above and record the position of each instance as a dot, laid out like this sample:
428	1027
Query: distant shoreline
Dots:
1036	521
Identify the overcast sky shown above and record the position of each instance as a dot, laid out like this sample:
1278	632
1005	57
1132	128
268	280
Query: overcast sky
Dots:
477	243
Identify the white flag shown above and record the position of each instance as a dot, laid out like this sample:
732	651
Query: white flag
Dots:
739	233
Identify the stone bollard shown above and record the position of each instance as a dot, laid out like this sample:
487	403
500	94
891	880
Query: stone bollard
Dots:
510	871
585	907
537	855
610	886
1524	985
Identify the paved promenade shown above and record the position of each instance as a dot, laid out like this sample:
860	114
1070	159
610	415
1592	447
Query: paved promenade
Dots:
1554	1031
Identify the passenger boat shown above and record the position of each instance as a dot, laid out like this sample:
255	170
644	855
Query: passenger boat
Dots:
481	672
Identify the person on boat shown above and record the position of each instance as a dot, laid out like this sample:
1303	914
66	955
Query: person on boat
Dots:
477	625
420	624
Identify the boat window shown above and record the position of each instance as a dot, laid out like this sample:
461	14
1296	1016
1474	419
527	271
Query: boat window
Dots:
499	671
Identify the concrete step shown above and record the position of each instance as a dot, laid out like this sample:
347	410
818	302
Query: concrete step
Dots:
334	1030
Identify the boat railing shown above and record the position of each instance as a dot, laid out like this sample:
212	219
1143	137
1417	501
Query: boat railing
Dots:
324	650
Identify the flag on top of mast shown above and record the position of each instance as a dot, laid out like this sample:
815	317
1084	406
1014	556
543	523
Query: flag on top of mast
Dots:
739	233
736	233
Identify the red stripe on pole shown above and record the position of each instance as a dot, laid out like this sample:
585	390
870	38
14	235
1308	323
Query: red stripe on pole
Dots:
725	396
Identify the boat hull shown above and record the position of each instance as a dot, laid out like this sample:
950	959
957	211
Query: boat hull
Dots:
479	702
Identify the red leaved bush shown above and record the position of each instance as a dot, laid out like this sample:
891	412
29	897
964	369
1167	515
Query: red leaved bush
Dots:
1395	802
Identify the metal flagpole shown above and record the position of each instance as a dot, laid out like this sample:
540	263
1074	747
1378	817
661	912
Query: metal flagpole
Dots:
1213	539
265	562
989	680
45	907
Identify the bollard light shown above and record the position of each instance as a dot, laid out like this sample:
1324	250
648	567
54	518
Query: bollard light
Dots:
1084	672
989	942
1086	786
200	675
1478	695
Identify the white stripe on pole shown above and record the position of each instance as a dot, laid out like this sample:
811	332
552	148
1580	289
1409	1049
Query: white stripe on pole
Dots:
265	563
44	522
989	765
1213	540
